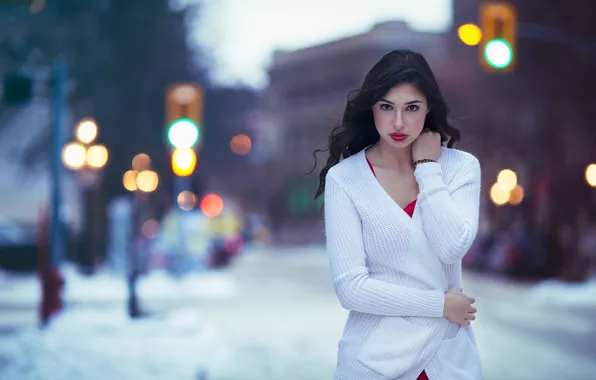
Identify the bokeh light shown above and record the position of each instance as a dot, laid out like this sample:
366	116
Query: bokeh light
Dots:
97	156
469	34
212	205
187	200
499	194
86	131
184	161
141	162
516	196
150	228
129	180
241	144
74	155
507	178
591	175
147	181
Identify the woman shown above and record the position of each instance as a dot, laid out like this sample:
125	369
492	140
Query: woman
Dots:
401	210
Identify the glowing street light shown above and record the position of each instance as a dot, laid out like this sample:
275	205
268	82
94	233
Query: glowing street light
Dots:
74	155
591	175
516	196
507	179
147	181
141	162
499	194
86	131
97	156
129	180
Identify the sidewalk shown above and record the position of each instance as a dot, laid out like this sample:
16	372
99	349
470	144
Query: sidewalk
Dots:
548	293
91	344
93	337
23	291
557	293
157	293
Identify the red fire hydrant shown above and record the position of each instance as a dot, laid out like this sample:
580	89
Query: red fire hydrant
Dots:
50	279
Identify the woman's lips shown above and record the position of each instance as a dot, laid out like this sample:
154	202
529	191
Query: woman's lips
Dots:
398	136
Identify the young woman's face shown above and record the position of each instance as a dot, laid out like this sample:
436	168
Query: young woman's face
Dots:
399	115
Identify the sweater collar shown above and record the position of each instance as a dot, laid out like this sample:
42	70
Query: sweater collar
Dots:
380	193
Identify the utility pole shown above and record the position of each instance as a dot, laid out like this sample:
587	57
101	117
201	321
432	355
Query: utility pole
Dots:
51	279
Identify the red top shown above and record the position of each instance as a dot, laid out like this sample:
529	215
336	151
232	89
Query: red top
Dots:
409	209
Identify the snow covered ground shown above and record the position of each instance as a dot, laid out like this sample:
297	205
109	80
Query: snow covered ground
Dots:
108	287
273	316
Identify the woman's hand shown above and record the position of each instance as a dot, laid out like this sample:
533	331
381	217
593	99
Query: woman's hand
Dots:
426	146
458	307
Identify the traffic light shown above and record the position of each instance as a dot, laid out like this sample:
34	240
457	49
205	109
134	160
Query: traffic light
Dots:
184	116
498	21
184	161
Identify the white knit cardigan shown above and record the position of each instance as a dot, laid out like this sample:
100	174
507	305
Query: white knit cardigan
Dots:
391	271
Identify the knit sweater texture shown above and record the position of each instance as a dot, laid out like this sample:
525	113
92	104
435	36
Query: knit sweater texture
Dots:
391	271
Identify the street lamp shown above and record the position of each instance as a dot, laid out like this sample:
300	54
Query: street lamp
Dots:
140	177
88	162
506	189
86	130
74	156
141	162
140	181
507	178
97	156
81	157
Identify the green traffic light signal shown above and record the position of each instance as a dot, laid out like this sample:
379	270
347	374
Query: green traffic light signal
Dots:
498	53
183	133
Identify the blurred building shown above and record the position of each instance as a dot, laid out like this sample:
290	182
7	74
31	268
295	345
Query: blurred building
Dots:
25	188
307	95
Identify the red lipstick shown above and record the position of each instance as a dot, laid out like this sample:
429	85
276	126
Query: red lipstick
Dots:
399	137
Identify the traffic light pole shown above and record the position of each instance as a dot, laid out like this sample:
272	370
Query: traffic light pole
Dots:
58	142
181	184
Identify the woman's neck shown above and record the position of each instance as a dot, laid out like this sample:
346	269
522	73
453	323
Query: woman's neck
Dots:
395	158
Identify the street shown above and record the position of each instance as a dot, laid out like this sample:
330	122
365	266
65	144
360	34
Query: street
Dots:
278	318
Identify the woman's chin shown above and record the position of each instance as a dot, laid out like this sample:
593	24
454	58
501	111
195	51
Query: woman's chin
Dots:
399	144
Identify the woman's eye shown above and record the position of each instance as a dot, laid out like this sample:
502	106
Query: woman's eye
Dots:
386	107
412	107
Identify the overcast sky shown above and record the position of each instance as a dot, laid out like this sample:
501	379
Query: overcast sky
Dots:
242	34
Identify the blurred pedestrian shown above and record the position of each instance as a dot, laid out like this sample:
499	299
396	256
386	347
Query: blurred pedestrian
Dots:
401	210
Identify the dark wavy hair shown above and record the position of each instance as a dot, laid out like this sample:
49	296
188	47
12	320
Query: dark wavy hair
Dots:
357	129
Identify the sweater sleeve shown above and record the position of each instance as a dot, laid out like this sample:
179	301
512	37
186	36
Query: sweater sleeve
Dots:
356	290
450	216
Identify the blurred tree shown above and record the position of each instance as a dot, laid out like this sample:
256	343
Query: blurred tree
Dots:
120	56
